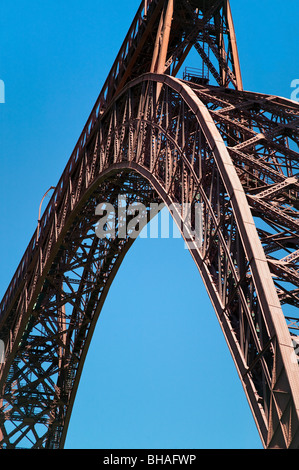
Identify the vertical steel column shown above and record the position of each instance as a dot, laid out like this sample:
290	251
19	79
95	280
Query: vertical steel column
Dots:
162	40
234	47
165	37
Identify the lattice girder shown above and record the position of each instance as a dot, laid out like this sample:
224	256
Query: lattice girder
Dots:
158	141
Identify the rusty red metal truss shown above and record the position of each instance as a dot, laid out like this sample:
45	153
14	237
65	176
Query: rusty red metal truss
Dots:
154	137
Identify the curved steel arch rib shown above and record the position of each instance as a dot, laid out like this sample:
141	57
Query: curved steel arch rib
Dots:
160	140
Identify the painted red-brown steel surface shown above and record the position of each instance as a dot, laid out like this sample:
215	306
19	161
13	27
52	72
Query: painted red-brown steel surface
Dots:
156	138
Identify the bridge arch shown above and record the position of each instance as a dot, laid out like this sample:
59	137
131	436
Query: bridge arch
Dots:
156	141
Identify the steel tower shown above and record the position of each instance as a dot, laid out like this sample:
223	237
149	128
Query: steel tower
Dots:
153	137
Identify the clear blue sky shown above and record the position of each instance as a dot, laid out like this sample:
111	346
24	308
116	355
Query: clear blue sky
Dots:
158	373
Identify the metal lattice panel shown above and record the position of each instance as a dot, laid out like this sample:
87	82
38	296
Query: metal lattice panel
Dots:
155	138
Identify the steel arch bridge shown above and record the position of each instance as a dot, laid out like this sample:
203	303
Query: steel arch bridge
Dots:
156	138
